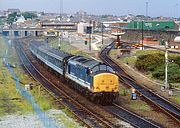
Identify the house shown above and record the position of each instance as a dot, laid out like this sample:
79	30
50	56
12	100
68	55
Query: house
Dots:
176	43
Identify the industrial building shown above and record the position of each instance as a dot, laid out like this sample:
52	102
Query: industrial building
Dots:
82	28
153	25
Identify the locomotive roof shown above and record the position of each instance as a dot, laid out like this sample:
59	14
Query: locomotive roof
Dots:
51	51
87	62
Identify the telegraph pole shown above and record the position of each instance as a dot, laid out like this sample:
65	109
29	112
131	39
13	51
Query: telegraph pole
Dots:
166	66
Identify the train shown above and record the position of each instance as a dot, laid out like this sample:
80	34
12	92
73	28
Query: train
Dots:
94	79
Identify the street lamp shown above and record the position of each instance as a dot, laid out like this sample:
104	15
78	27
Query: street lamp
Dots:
142	34
166	66
59	44
102	32
89	31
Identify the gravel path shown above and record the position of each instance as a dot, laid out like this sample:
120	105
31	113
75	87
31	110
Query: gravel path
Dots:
20	121
32	120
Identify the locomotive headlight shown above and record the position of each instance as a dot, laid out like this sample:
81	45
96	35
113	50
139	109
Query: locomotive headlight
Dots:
97	88
90	72
107	87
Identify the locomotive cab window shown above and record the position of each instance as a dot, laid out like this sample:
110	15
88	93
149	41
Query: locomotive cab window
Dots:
103	67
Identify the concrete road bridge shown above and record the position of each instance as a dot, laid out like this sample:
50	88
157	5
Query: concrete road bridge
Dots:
23	32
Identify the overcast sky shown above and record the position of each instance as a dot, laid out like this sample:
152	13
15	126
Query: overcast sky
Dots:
116	7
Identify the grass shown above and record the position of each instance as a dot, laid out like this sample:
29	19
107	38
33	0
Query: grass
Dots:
134	105
42	98
146	52
20	106
8	91
66	117
67	47
177	98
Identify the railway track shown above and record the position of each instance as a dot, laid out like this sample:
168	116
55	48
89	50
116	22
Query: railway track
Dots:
130	117
86	118
160	102
83	114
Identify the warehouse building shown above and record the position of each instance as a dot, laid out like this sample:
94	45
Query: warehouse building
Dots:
153	25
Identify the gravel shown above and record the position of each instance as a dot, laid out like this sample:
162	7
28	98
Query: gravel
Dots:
32	120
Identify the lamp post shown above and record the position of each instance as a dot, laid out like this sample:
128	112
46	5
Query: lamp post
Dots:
142	34
89	31
166	66
102	32
59	44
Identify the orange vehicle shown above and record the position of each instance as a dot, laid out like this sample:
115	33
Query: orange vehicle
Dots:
117	43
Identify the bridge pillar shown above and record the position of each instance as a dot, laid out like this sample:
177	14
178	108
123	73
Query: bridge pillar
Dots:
35	33
22	33
11	33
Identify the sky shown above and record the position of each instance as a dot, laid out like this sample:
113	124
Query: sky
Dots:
116	7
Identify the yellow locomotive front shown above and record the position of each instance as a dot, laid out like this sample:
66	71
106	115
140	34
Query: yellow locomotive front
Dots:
106	82
105	87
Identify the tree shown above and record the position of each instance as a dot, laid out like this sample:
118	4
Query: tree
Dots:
11	17
29	15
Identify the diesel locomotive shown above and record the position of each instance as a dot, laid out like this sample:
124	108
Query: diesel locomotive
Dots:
95	80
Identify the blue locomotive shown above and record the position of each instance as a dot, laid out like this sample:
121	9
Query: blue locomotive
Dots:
92	78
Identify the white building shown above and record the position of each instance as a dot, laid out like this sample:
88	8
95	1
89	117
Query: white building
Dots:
82	28
20	20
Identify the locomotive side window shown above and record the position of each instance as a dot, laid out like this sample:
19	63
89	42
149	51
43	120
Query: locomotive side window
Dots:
77	71
69	68
95	69
109	69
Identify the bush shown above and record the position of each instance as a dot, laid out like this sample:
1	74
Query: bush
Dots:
155	64
149	62
173	73
159	73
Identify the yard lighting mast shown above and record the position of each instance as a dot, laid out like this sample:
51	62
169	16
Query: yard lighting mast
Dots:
166	66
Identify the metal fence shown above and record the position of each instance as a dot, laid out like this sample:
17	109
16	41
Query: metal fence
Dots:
48	122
